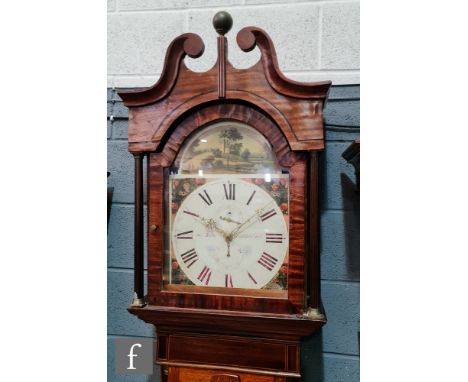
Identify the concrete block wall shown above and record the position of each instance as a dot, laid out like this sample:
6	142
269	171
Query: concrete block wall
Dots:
315	40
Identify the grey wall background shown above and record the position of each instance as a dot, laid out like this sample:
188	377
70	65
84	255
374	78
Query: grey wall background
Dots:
332	355
314	40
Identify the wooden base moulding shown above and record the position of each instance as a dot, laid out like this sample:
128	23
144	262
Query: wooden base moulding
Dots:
177	374
257	344
238	354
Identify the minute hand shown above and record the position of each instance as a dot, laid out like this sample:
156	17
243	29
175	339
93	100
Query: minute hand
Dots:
234	233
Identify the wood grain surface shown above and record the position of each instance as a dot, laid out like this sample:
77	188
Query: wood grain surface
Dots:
179	374
297	108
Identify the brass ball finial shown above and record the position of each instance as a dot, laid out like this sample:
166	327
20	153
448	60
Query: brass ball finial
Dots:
222	22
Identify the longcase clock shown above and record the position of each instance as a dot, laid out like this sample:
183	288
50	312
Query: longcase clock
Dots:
233	278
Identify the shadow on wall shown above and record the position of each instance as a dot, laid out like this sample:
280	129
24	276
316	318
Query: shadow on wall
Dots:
351	226
339	208
312	367
351	222
156	374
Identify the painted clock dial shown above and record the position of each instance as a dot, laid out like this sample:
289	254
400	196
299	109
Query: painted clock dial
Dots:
231	233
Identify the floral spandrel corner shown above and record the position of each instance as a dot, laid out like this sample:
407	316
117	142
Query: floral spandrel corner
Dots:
280	281
181	188
278	190
178	275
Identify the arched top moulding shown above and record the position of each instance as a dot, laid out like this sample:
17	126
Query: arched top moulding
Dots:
296	107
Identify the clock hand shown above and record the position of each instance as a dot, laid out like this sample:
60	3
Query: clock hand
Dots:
234	233
228	243
211	224
227	237
246	224
238	228
229	220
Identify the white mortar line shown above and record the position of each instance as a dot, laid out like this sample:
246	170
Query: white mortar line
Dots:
319	47
231	6
306	72
318	71
338	78
134	75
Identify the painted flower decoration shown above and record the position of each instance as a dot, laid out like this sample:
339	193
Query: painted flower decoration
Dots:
284	208
259	181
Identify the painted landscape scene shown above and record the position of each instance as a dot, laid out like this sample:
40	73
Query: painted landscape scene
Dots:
227	147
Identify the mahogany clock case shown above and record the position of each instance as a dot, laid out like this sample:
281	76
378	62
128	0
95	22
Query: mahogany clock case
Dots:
289	115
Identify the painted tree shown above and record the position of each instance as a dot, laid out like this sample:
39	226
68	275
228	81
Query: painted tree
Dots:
224	135
245	155
217	153
234	135
234	146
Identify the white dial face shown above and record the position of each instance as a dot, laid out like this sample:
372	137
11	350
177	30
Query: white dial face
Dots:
230	233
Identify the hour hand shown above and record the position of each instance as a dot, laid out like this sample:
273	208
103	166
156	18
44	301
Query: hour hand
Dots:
211	224
208	223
